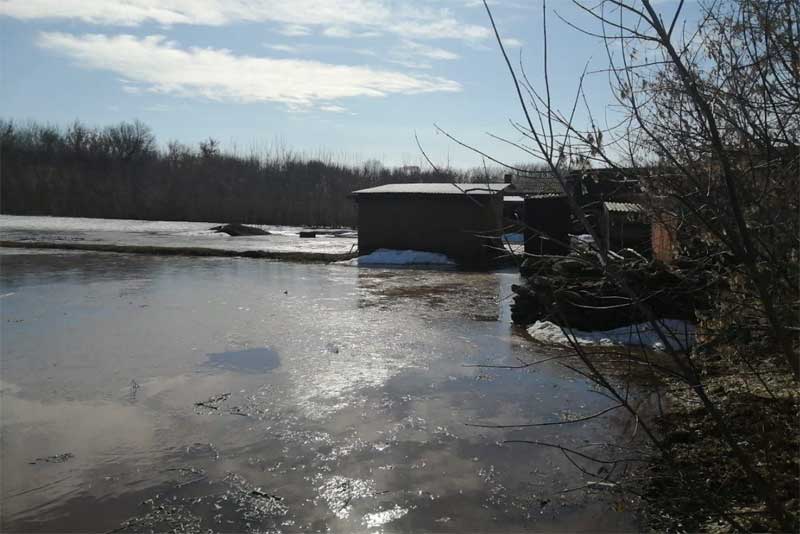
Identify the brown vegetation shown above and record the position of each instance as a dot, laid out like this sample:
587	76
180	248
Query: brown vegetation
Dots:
119	172
709	111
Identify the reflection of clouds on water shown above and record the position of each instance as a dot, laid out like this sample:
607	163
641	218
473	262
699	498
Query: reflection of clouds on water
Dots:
359	427
93	433
335	383
352	351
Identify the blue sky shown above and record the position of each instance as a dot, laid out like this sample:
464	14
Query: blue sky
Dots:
350	78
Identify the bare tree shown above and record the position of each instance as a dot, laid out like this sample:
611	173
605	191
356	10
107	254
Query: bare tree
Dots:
708	115
130	140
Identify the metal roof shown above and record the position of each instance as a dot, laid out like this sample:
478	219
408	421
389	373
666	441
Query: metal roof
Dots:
434	189
627	207
541	186
541	196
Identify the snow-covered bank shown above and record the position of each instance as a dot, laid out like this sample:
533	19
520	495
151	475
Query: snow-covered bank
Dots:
642	334
174	237
384	256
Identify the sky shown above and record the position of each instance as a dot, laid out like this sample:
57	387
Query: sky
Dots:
348	79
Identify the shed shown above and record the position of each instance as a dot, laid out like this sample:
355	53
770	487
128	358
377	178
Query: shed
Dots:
547	216
513	210
454	219
626	225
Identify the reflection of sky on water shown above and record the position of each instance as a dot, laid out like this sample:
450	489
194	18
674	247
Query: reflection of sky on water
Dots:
363	385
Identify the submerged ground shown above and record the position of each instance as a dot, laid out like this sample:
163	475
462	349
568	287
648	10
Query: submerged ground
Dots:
123	234
143	392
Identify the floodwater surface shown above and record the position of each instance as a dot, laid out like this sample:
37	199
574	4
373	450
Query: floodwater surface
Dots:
186	394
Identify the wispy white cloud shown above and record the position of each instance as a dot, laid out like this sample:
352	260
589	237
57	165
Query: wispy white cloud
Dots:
295	30
512	42
416	55
428	52
337	17
331	108
343	32
505	4
131	89
157	65
289	49
442	28
200	12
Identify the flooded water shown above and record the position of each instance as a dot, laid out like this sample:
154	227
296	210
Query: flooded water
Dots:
186	394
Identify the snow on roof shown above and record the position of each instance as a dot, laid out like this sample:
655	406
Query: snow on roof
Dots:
628	207
434	189
513	198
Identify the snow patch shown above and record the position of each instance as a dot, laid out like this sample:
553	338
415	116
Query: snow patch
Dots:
583	238
678	332
516	238
385	256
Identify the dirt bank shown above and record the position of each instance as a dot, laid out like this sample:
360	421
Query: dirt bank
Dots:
703	489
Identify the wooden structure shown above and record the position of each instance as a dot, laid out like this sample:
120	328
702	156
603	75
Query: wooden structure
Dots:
610	200
625	225
547	215
458	220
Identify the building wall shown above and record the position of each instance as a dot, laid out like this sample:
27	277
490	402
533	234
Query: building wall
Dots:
449	224
550	216
662	242
634	234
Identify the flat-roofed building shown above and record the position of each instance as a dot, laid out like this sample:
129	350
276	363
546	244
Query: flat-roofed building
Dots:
463	221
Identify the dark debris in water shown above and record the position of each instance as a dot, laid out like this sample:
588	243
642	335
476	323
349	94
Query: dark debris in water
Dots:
213	402
238	230
54	459
216	402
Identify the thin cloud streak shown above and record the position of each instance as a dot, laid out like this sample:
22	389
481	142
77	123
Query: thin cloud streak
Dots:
295	30
414	55
336	17
157	65
412	48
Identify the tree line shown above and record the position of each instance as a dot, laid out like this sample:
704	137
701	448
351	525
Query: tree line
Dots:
119	171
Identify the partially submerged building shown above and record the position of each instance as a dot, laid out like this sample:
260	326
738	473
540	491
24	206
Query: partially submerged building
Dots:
611	203
546	215
462	221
